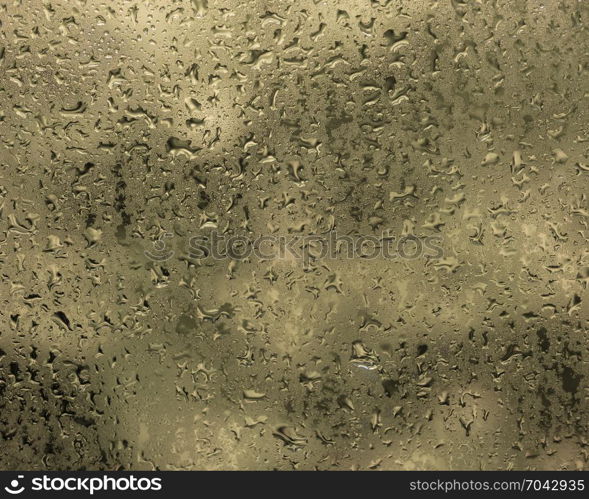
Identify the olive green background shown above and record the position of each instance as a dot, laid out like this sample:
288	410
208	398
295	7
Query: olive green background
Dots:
124	121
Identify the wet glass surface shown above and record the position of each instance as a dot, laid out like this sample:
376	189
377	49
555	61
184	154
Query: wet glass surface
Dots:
294	235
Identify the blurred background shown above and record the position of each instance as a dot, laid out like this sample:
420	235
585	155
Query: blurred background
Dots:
128	128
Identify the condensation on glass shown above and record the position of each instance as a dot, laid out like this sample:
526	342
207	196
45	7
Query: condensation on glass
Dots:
131	132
